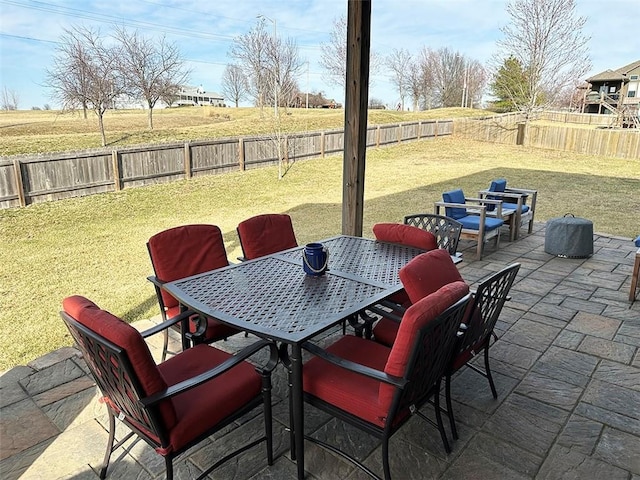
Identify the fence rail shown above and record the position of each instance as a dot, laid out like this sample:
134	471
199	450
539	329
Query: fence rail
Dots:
39	178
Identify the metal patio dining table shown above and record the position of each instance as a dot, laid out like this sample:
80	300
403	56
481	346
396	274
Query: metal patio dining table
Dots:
273	298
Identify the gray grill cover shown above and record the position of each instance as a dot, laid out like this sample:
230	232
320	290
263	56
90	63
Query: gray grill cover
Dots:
569	237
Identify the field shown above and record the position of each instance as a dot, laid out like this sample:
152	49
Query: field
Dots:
39	131
95	246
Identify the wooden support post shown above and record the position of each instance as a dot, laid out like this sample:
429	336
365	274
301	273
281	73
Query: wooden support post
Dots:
241	153
17	170
356	96
117	183
187	161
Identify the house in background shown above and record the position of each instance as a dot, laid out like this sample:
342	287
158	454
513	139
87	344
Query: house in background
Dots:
197	96
615	92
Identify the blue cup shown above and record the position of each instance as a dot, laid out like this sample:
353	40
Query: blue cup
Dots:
315	258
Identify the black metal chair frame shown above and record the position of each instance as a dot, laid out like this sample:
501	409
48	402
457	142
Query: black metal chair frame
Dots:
446	230
113	373
429	359
475	337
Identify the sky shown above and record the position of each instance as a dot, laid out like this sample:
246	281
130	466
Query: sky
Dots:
204	32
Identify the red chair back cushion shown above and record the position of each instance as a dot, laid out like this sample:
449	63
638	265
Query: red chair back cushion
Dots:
415	318
427	273
405	235
184	251
266	234
129	339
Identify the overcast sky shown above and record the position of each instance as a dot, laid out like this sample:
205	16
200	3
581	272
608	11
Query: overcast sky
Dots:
204	32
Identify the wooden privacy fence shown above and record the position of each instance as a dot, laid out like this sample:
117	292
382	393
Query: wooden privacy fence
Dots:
40	178
509	129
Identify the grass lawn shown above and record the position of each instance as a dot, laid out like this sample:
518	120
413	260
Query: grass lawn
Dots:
38	131
95	246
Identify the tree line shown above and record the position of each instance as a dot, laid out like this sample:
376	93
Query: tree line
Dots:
538	62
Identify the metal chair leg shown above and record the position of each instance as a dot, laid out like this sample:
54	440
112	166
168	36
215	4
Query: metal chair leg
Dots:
452	421
107	455
487	370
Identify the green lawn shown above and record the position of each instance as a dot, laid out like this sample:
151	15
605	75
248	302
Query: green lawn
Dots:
95	246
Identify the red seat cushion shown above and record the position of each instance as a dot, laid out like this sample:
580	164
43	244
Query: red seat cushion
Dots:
347	390
184	251
405	235
204	406
266	234
427	272
416	317
385	331
128	338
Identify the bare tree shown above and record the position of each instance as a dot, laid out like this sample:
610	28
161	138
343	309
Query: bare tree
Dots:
10	99
333	55
545	37
443	72
250	51
399	64
86	73
152	68
475	83
234	83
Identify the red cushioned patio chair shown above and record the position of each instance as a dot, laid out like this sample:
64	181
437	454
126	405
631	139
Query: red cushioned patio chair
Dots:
446	230
423	276
181	252
376	388
266	234
176	404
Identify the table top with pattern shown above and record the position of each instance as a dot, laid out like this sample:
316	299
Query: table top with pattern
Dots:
273	297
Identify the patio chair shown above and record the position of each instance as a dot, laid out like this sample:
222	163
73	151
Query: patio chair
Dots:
181	252
477	223
514	199
376	388
266	234
477	329
176	404
446	230
404	235
424	275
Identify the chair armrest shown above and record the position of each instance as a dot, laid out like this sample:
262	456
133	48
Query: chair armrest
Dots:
515	196
385	314
215	372
354	367
156	281
164	325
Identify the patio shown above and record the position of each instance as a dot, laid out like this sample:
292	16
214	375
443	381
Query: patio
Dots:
567	369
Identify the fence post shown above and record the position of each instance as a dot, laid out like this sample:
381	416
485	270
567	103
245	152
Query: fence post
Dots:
322	144
378	136
520	135
187	160
17	169
419	130
241	153
435	130
399	133
286	150
116	170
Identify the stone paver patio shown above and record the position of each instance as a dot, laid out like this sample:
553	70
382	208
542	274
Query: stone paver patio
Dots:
567	368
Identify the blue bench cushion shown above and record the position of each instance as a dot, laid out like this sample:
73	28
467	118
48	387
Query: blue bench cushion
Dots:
454	196
472	222
513	206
